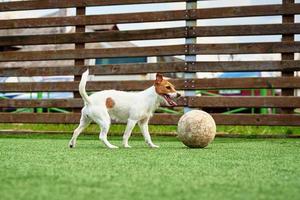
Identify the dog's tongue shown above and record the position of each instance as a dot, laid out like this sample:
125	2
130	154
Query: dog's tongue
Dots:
169	100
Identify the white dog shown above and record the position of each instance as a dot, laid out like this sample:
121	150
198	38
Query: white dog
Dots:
128	107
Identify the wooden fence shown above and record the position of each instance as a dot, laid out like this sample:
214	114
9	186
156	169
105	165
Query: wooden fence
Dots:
287	47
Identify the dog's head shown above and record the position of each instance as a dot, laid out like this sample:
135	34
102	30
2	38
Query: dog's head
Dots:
166	90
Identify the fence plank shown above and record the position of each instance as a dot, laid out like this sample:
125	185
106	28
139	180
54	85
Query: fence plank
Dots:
245	11
241	30
94	19
103	36
203	102
143	68
113	69
188	84
245	48
93	53
239	48
181	32
207	13
50	4
247	102
161	119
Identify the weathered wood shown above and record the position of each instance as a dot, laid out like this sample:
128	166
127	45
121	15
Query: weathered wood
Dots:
239	48
241	66
197	102
103	36
94	19
187	84
240	83
245	48
114	69
241	30
257	119
181	32
288	37
245	11
206	13
162	119
93	53
41	103
243	101
143	68
50	4
80	11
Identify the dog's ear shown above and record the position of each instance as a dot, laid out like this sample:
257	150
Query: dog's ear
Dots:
159	78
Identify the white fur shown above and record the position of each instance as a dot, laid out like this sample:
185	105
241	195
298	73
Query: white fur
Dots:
129	107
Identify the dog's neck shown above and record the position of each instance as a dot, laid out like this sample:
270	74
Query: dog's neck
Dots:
153	98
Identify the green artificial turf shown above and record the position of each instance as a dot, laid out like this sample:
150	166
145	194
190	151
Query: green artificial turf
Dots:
43	167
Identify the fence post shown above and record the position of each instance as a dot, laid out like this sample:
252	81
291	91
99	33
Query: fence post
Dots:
79	62
286	19
189	41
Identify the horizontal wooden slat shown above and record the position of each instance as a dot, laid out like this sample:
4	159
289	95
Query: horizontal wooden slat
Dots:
242	101
188	84
93	53
245	11
42	103
113	69
206	13
50	4
94	19
245	48
242	30
181	32
203	102
239	48
103	36
161	119
257	119
142	68
241	66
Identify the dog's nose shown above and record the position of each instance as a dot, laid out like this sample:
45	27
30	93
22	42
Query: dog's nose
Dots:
178	95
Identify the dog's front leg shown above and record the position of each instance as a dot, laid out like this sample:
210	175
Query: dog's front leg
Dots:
127	133
143	124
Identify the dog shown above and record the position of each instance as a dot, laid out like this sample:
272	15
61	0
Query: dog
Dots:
129	107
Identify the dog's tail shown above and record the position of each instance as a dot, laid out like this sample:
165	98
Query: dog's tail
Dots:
82	85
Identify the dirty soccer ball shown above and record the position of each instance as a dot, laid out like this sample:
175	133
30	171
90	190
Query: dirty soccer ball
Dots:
196	129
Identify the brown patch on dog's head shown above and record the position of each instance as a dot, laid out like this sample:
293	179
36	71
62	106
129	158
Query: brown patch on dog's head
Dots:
163	86
110	103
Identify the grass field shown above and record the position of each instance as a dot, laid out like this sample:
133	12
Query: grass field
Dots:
42	167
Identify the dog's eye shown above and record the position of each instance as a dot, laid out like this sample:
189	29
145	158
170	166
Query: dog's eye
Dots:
168	87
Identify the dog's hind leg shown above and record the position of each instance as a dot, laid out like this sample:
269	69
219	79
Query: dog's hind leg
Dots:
103	120
84	122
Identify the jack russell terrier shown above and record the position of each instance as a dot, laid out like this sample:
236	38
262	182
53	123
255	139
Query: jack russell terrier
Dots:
128	107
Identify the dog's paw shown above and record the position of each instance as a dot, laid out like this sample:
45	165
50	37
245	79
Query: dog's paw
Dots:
71	145
154	146
127	146
113	147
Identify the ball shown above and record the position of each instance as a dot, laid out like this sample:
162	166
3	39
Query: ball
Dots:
196	129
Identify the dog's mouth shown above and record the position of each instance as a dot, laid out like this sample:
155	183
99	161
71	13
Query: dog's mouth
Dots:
168	99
